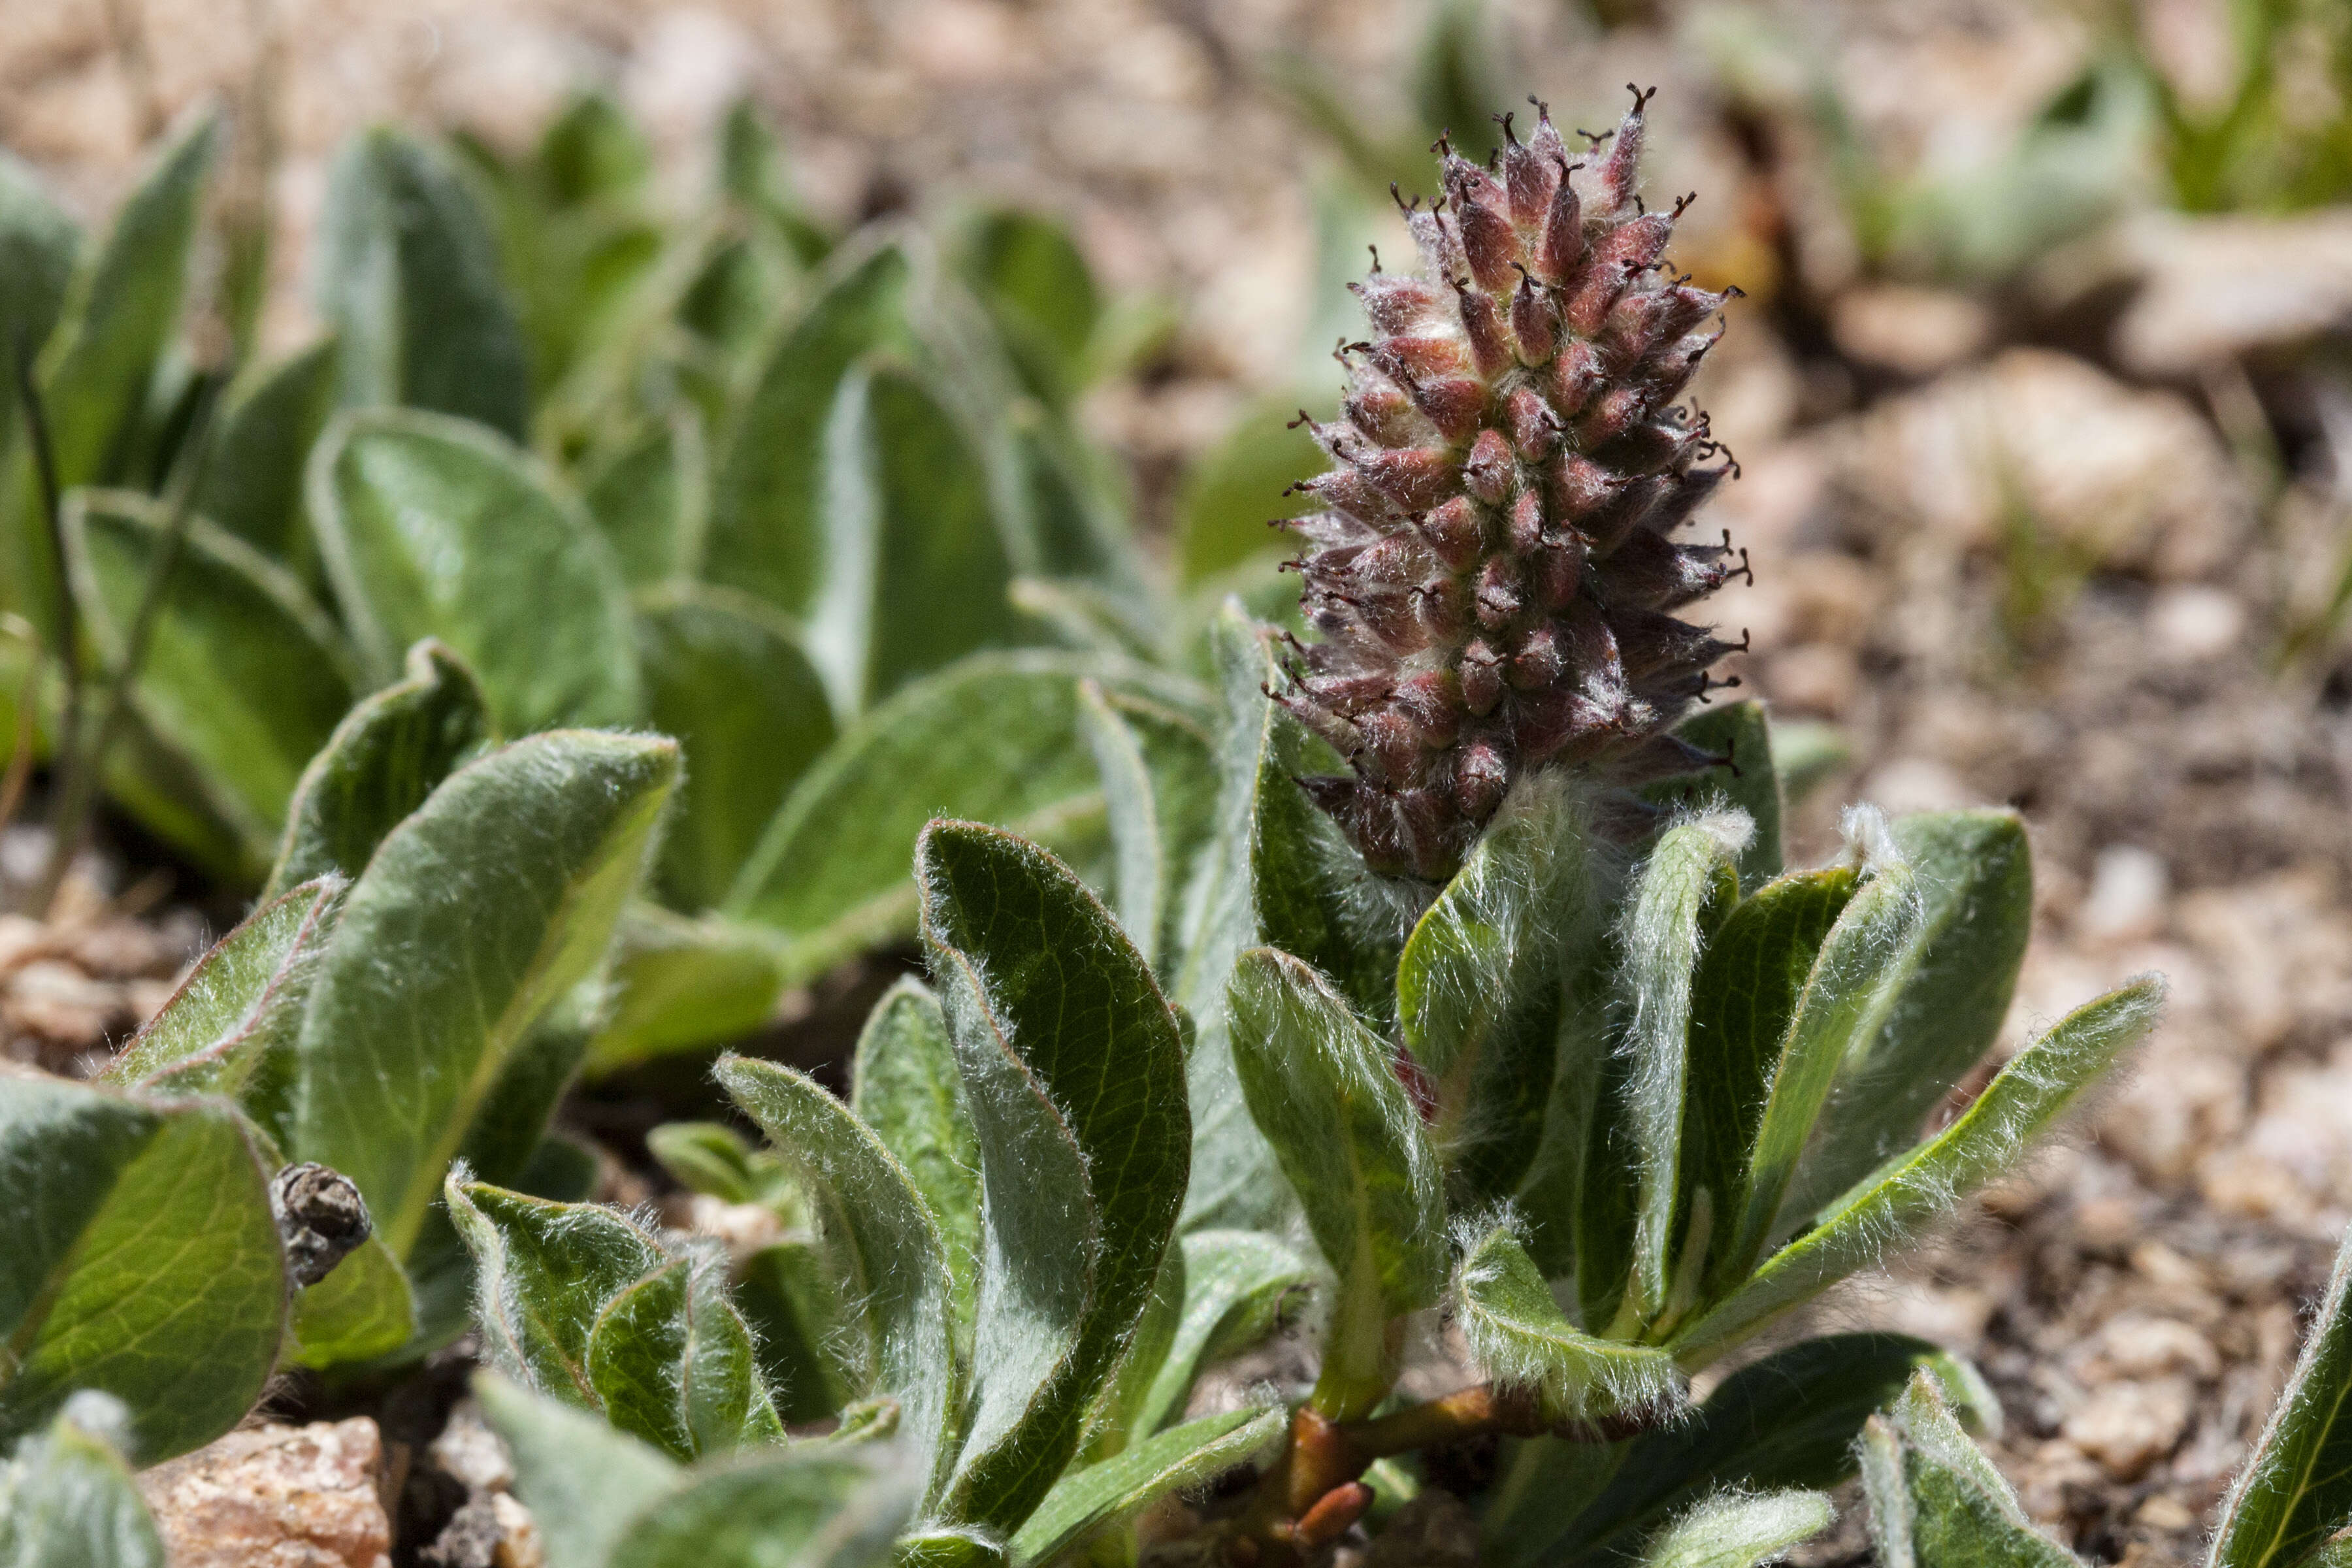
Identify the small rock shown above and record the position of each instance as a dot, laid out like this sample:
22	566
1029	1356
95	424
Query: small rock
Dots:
518	1544
2139	1346
469	1451
2164	1513
2190	622
744	1227
2127	1426
2218	288
1913	331
2128	887
283	1497
1916	783
1815	678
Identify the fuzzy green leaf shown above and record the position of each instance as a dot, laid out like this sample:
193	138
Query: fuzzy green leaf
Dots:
768	516
1236	1283
489	902
1088	1499
1261	827
1074	1068
787	1294
144	1261
726	676
364	1309
1748	781
711	1158
1950	983
818	1507
912	573
905	1085
244	674
2296	1489
1140	870
1744	994
993	738
1787	1420
887	1265
680	984
230	1027
1845	989
1520	1339
1683	893
123	308
2032	1092
671	1362
1935	1499
408	274
1232	489
1033	279
432	527
652	500
1480	987
384	758
1325	1091
544	1271
66	1499
582	1481
1739	1532
270	418
39	244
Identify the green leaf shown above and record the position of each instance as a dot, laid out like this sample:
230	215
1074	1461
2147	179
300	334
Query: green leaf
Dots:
1744	994
144	1261
231	1027
544	1273
67	1500
408	275
726	676
1480	987
1100	1495
905	1085
1234	1169
711	1158
124	309
244	674
2296	1489
1028	273
582	1481
1746	780
383	759
679	984
652	500
432	527
1843	995
1739	1532
993	739
1229	493
1325	1091
270	418
1786	1420
39	244
1520	1339
2033	1091
1140	873
818	1507
912	573
1951	980
1935	1499
887	1266
768	516
451	946
1236	1283
1806	753
786	1295
1074	1068
363	1309
1686	890
671	1361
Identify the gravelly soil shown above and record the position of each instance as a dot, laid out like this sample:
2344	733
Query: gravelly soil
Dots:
2008	559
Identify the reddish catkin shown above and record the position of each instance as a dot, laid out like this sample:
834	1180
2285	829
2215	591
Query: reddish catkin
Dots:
1493	564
